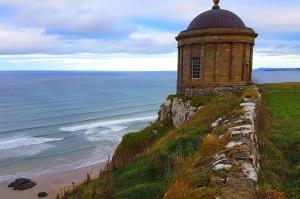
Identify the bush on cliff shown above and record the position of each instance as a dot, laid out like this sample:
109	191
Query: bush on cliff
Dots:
135	144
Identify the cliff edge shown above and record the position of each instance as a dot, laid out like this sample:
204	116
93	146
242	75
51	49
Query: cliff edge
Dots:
217	145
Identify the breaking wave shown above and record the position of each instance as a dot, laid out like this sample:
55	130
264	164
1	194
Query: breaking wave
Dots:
114	125
16	143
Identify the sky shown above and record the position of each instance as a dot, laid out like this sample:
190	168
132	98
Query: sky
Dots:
132	35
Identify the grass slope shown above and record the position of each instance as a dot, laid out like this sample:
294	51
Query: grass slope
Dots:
279	139
145	162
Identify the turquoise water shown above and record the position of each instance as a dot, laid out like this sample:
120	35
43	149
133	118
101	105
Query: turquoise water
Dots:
56	121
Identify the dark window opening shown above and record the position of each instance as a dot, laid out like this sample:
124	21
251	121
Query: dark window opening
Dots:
196	67
247	72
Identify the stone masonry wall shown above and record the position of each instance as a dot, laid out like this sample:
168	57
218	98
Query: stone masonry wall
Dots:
240	158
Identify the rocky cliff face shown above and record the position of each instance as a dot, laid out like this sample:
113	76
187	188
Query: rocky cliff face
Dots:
178	110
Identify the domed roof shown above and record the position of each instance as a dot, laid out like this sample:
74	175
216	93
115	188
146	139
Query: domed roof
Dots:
216	18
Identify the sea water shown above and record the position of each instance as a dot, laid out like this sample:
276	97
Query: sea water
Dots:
58	121
55	121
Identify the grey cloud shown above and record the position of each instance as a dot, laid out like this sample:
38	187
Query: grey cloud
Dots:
110	16
109	26
278	47
32	41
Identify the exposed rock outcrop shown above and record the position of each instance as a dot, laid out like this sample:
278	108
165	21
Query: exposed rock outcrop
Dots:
42	194
22	184
178	110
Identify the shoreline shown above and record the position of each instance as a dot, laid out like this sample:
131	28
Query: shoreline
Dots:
52	183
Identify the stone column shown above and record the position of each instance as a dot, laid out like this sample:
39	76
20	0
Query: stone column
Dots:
202	60
191	62
244	66
217	62
231	63
251	62
178	65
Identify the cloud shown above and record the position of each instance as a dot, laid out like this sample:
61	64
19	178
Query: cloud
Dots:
96	16
27	40
91	62
276	61
33	40
116	16
72	16
137	27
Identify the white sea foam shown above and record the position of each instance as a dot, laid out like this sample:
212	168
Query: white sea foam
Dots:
112	128
15	143
109	124
116	127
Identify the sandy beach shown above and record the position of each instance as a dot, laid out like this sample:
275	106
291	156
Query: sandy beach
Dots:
51	183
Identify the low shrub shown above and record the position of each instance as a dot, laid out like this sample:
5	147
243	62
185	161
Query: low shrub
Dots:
135	144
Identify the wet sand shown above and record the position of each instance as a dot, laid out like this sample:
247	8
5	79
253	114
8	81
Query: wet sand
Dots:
51	183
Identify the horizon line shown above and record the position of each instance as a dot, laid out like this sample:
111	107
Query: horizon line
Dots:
262	68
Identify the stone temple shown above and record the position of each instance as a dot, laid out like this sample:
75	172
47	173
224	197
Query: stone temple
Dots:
215	52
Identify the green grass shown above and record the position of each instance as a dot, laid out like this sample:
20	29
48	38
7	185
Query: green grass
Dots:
135	144
280	141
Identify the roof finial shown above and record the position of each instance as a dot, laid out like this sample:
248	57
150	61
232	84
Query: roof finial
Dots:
216	6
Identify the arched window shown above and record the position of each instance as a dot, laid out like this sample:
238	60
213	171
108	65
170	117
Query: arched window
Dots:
196	68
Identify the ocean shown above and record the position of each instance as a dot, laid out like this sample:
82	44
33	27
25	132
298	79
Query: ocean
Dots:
58	121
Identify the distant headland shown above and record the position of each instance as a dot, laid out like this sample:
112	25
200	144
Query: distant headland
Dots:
277	69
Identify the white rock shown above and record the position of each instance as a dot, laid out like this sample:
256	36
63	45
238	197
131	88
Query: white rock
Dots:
250	109
222	166
168	103
249	104
221	137
165	110
233	144
216	123
178	112
181	111
244	132
242	127
250	172
225	122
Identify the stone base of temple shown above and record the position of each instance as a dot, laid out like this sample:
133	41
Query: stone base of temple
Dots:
188	91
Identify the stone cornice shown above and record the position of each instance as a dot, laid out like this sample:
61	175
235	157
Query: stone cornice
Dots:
247	32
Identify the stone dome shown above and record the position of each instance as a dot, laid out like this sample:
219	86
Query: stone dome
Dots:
216	18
